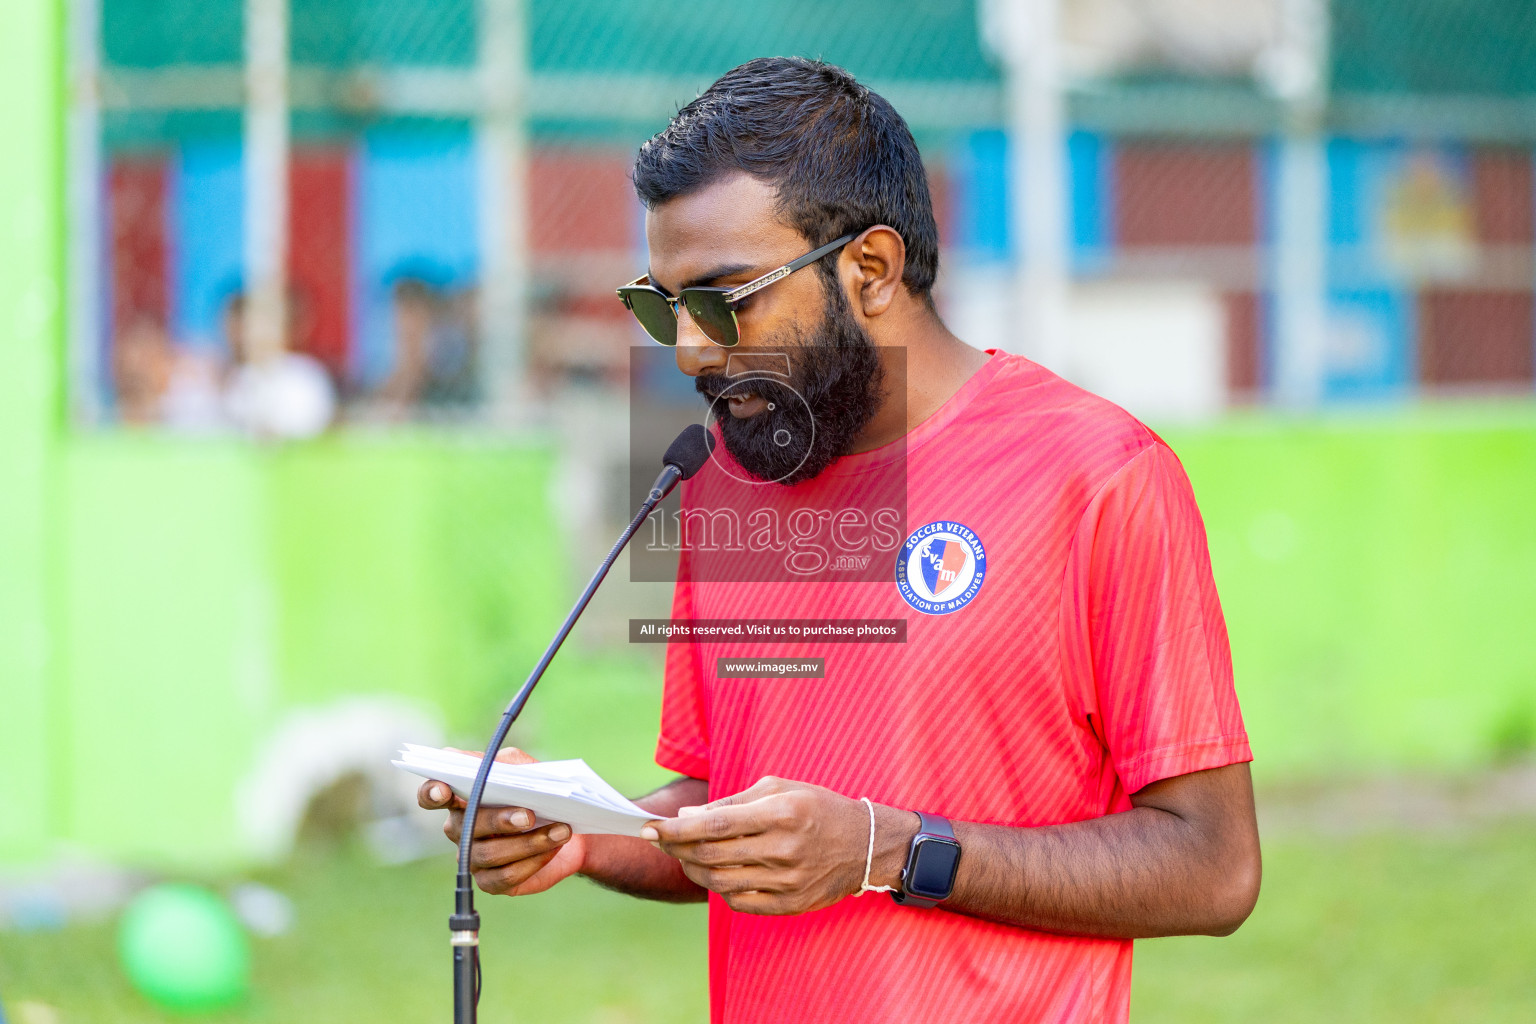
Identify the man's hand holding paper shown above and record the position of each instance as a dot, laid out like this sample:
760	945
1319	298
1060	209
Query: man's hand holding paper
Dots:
510	855
574	822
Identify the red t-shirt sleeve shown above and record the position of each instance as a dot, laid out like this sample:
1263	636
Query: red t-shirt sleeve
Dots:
683	745
1144	633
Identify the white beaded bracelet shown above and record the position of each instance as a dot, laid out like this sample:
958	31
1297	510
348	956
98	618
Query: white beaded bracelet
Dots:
869	855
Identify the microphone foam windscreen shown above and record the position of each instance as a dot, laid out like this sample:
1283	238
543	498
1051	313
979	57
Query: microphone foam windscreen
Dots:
690	451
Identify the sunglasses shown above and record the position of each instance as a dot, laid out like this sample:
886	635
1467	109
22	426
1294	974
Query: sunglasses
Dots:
712	309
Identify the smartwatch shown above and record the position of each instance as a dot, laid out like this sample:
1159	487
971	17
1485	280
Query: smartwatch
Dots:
932	861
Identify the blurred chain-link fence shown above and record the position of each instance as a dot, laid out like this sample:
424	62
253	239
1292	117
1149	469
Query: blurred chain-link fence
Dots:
458	212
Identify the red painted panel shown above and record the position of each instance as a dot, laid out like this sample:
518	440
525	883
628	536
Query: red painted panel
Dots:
319	254
598	304
1475	337
1243	344
940	189
1502	196
1185	194
581	201
136	189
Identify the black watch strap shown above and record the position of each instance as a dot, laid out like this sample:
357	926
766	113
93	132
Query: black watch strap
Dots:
934	825
930	826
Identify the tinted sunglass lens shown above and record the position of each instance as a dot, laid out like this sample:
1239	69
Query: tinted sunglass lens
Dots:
654	314
713	315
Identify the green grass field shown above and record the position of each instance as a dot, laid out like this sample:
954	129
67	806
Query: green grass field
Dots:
1387	927
1401	926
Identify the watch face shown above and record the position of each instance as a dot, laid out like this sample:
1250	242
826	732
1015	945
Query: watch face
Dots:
934	864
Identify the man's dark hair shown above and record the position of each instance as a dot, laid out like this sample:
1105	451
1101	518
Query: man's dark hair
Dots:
839	155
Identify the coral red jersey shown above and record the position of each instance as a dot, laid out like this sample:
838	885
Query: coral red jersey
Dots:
1064	648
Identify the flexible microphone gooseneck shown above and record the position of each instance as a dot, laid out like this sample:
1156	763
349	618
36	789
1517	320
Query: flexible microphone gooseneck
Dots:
685	456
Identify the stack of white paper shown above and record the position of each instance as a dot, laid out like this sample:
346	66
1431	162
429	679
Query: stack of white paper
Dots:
567	791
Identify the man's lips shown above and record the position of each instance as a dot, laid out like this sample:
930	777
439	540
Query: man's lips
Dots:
739	396
744	405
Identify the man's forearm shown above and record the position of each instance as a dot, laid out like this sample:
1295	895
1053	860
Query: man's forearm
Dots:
1132	875
634	866
1169	866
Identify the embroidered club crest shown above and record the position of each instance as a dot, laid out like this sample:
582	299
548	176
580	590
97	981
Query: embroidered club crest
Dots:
941	567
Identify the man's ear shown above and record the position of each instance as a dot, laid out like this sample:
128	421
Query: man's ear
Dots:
871	267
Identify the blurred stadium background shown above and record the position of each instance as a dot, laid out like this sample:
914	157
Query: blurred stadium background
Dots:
312	414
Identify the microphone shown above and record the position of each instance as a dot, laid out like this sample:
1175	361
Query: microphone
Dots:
684	457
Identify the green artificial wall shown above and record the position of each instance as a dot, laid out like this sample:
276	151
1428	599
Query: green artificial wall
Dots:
1379	580
163	602
425	567
210	588
30	306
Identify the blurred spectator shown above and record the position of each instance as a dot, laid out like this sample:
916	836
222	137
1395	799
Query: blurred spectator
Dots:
287	396
452	378
159	382
141	372
576	339
434	348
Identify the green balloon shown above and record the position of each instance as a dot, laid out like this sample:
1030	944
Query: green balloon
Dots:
182	947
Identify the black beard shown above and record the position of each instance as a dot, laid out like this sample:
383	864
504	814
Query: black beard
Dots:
835	368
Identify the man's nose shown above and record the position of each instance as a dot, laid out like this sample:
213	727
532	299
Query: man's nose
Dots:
696	354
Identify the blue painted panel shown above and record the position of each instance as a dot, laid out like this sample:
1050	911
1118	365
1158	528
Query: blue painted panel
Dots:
1367	179
1400	217
1371	310
1370	343
1266	341
1266	178
1090	182
1353	175
980	184
1358	176
415	214
206	238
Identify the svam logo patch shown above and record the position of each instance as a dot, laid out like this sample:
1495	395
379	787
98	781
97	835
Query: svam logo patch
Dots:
941	567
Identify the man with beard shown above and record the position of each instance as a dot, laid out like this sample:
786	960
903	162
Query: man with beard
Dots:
1053	763
823	404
